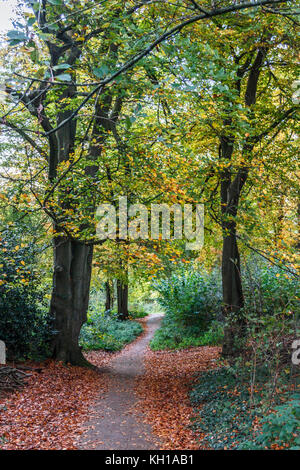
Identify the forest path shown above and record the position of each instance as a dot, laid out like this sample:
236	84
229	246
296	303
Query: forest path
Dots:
113	425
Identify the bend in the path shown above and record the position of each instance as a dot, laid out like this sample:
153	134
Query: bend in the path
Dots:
113	425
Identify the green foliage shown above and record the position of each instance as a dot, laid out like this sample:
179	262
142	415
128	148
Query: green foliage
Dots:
192	302
142	298
280	429
105	331
223	412
25	325
268	289
190	298
271	315
173	336
137	313
228	400
214	335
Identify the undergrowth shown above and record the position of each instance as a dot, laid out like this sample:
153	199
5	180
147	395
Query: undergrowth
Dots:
173	335
103	331
231	420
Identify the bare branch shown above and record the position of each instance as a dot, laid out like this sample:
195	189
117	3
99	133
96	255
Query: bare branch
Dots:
25	136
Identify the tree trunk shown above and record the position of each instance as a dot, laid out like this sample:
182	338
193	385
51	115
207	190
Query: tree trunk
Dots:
109	296
122	292
298	215
231	187
70	298
232	286
231	277
233	299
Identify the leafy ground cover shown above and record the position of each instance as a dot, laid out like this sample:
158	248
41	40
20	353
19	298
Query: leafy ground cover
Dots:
228	417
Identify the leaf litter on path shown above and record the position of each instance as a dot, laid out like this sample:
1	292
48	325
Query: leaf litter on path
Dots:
164	393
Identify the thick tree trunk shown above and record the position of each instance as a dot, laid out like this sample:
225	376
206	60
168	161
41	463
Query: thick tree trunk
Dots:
233	299
232	285
231	187
231	277
122	292
70	298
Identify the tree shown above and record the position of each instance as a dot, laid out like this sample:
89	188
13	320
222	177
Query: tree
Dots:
72	257
109	295
61	54
246	102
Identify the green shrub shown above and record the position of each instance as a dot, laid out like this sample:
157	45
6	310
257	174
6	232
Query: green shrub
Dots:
280	429
25	325
227	400
269	289
170	335
192	302
271	312
105	331
190	298
138	313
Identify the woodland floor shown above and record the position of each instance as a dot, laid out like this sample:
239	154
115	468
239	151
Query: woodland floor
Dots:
136	399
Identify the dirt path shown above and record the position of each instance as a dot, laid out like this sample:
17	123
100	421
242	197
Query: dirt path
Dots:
113	425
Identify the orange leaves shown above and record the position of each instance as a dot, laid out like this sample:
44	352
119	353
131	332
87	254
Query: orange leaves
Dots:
164	393
47	413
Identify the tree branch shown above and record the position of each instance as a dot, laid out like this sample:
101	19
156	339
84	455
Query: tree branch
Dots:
176	29
25	136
